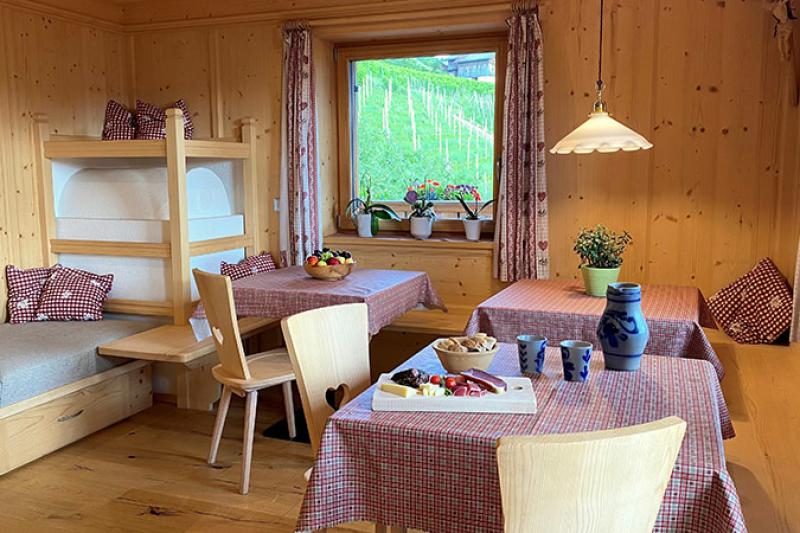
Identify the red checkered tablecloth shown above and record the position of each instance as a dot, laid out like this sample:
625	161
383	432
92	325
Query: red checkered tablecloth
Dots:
388	293
561	310
437	471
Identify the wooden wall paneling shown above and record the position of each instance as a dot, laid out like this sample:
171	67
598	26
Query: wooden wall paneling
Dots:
172	65
703	205
402	14
327	133
686	116
598	188
6	202
71	83
250	76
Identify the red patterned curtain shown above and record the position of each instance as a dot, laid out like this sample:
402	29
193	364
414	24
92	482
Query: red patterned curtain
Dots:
300	225
521	247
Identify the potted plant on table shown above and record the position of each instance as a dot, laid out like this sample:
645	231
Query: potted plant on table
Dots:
367	214
600	250
472	220
420	198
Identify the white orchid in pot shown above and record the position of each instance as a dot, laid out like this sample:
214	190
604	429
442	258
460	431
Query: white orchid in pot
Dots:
366	214
422	215
472	218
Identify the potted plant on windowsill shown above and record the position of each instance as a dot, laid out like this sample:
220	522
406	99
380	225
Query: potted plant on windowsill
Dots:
473	220
600	250
422	215
367	214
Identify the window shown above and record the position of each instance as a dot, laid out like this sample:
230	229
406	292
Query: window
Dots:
421	116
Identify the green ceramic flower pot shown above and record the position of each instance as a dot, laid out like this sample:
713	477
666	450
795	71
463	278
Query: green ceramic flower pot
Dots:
596	280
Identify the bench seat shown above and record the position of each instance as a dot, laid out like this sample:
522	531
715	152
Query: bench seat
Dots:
41	356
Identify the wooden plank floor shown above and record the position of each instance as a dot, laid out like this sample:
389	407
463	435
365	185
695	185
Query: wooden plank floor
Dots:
149	473
762	389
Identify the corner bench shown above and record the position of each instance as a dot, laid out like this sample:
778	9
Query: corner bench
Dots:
55	389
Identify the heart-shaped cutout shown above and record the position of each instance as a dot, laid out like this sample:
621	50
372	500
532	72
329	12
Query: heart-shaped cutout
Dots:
338	396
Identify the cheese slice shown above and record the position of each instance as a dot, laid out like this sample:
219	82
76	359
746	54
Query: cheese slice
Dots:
429	389
399	390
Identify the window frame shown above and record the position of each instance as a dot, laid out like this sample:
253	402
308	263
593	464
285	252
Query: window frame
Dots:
346	54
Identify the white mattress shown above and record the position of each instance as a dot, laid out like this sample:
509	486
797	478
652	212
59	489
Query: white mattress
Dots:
145	278
130	230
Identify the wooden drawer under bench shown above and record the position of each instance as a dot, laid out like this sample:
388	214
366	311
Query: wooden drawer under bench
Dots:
32	428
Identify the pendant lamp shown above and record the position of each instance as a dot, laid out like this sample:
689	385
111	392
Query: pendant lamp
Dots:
601	132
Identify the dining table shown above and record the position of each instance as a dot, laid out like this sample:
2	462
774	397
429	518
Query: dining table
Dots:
388	294
437	471
561	310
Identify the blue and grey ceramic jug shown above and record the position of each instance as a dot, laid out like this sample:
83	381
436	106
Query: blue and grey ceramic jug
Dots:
623	331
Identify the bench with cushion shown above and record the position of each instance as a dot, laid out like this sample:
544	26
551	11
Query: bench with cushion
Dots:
56	389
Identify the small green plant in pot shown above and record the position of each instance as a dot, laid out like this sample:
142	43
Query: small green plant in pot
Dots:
367	214
600	250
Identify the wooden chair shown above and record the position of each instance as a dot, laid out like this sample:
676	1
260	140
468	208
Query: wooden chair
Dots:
240	375
329	349
599	481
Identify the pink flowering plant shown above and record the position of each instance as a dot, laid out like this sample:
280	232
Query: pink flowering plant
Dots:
474	212
420	198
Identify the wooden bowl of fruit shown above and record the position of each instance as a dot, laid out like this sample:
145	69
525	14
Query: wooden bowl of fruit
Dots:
329	265
459	354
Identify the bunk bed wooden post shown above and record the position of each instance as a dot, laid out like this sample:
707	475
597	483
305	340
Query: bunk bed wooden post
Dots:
44	182
178	218
249	170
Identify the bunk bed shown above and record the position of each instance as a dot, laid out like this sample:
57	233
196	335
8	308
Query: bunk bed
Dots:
57	391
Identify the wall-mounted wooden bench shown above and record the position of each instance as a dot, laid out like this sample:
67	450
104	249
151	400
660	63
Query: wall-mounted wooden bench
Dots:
195	387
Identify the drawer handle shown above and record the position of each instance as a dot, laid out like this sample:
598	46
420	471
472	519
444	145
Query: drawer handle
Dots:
69	417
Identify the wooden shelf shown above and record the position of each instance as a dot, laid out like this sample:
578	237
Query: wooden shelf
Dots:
176	344
97	149
112	248
138	307
222	244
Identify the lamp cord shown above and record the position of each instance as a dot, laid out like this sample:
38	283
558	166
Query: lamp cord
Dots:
600	48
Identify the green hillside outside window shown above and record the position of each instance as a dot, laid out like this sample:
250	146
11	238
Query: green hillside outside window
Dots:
424	120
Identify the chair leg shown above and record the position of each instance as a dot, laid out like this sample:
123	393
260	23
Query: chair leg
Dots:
288	404
219	424
247	445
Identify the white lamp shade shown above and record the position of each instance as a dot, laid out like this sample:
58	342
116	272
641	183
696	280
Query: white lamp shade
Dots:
602	133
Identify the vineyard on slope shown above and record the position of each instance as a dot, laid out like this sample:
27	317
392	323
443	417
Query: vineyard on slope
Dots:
416	122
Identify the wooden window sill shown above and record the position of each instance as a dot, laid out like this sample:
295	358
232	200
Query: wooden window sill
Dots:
437	240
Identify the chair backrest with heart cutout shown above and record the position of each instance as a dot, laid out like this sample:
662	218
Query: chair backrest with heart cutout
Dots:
329	348
217	297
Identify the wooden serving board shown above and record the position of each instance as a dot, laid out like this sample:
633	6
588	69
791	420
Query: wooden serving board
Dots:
519	398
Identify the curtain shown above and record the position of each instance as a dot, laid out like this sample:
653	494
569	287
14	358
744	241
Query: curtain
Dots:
794	334
521	246
300	231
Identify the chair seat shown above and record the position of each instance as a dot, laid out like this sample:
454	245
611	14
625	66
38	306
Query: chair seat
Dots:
266	369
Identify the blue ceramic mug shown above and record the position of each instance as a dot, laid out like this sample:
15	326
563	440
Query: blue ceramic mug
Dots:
531	353
575	356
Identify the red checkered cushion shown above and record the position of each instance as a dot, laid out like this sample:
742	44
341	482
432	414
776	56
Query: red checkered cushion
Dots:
151	121
72	294
118	125
248	266
756	308
24	291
